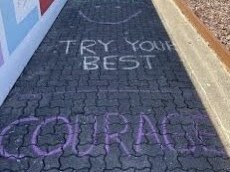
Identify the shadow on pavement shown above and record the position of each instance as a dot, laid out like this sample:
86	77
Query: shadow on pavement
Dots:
106	91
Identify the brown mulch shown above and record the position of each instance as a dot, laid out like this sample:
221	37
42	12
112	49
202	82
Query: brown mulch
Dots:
215	14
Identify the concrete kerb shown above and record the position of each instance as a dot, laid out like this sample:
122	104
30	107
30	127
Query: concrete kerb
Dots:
210	78
214	43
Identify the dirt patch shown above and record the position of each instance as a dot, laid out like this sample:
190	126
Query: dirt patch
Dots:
216	15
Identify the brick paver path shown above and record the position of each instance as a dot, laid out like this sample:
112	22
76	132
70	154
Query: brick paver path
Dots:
106	91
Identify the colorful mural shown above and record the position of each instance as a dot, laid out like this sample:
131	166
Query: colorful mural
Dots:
1	57
17	21
19	17
23	8
22	28
44	5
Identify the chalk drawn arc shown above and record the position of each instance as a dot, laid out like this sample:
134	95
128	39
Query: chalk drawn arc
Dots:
110	23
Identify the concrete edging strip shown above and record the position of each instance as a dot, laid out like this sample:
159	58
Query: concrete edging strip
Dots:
210	78
214	43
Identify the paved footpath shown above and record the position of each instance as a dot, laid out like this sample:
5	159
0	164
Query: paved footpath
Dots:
106	91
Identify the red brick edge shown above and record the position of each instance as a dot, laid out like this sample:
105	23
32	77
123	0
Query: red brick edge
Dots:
214	43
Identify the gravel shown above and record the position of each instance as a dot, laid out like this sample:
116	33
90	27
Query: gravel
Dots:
215	14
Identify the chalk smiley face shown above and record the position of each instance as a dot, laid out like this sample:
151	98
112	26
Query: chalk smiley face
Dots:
122	15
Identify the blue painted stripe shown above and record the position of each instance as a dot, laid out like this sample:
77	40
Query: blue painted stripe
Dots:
16	32
1	56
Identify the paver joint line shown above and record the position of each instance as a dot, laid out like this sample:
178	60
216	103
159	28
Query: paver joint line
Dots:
107	91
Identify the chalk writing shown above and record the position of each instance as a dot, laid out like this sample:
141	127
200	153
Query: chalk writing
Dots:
57	150
3	152
150	46
92	61
141	134
167	140
75	136
195	138
128	62
68	43
115	136
89	47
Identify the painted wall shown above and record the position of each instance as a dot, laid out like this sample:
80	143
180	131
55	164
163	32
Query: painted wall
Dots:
23	25
1	57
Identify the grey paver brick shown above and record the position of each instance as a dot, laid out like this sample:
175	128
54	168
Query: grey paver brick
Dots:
76	163
135	162
190	162
54	84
